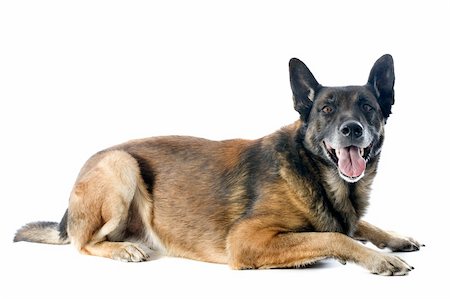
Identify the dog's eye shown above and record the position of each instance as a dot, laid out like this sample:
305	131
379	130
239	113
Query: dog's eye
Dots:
367	108
327	109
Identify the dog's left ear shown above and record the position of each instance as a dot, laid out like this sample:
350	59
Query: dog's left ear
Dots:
381	81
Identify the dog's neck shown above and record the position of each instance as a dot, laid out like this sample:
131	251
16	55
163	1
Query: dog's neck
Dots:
347	201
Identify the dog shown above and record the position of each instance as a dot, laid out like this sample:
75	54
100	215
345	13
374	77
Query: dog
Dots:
286	200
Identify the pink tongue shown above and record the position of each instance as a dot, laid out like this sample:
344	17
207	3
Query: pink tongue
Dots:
350	161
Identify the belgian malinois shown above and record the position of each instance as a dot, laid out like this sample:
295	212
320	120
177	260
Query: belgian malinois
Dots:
285	200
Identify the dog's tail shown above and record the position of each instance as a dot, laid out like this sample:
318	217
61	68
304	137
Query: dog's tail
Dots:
44	232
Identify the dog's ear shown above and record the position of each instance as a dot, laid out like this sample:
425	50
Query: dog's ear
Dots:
304	87
381	81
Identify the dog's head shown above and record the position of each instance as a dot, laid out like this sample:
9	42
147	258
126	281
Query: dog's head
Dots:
344	125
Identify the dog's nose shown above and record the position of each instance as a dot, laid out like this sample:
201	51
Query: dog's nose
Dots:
351	129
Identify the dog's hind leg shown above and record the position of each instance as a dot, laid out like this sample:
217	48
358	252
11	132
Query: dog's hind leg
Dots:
106	191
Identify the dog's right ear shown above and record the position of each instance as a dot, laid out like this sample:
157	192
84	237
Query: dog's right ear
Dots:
304	87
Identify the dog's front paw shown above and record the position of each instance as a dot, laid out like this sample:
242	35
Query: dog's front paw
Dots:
400	243
388	265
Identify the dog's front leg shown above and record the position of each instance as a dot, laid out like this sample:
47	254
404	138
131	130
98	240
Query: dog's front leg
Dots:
251	246
382	239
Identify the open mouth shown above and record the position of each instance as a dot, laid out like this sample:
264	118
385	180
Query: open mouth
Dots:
351	160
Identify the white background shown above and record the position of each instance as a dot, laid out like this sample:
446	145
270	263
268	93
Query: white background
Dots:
79	76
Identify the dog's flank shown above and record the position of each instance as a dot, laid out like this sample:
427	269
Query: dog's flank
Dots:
287	199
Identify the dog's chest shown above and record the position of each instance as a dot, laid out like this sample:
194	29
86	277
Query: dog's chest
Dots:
338	206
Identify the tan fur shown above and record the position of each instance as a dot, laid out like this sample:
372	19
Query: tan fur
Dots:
40	232
274	202
195	204
383	239
100	203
